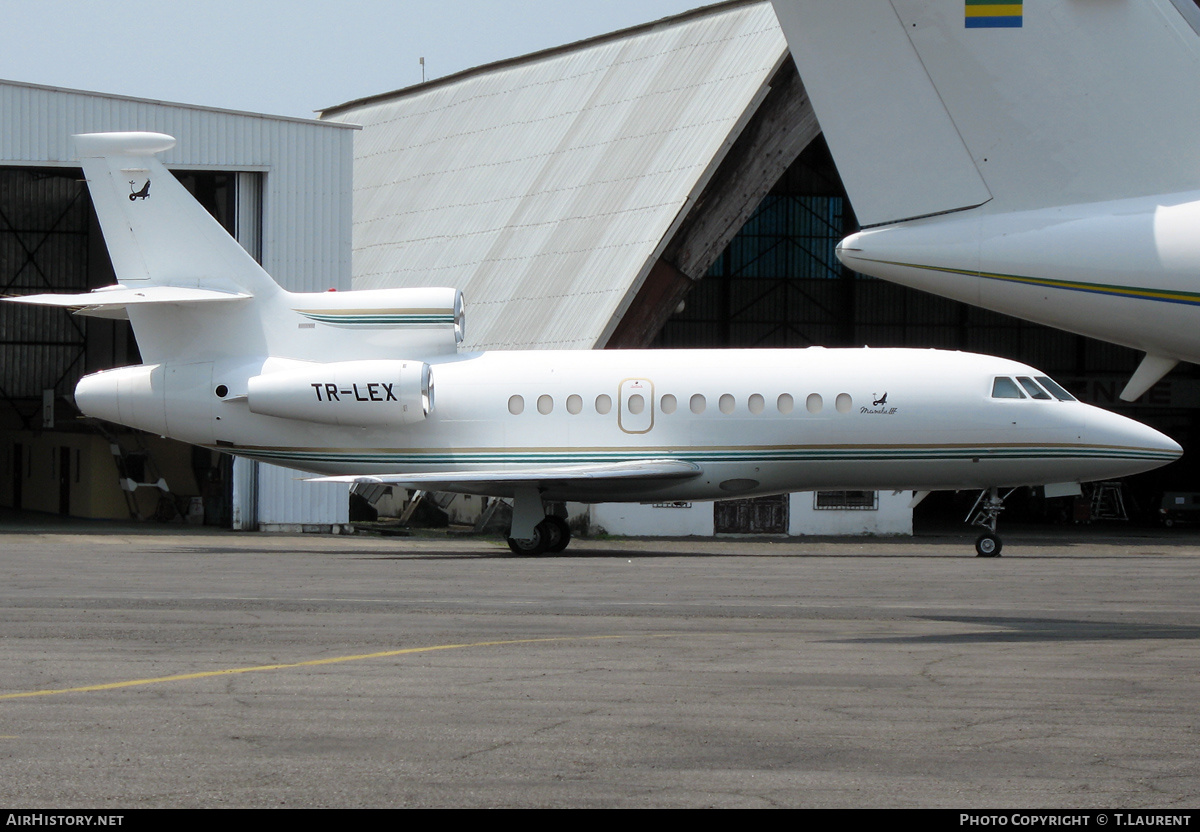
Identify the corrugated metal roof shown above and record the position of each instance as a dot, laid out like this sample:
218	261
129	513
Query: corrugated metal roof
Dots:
112	97
544	188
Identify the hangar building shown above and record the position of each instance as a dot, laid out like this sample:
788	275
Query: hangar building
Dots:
667	185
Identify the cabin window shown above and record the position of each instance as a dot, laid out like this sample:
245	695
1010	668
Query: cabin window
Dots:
603	403
843	403
1032	389
814	403
1006	388
636	404
726	403
667	404
574	404
756	404
545	404
516	405
698	403
1059	393
785	403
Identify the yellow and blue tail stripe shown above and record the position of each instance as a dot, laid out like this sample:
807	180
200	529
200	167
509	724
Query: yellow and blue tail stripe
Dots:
985	14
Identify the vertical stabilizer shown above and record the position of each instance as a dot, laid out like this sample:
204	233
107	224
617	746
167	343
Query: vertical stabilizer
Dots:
935	105
895	145
157	233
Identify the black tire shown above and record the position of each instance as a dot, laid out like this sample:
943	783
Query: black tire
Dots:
532	547
558	533
987	545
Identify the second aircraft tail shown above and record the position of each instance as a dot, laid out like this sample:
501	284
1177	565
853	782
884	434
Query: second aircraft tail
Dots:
931	106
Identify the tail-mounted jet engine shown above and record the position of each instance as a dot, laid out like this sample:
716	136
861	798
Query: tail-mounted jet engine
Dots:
187	400
371	393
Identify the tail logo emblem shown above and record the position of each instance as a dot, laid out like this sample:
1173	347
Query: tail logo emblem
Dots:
144	193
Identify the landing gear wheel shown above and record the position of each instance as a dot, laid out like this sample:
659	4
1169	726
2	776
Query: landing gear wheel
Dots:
987	545
558	533
531	547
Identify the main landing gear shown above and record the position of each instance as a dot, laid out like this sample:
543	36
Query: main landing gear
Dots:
986	512
550	537
534	532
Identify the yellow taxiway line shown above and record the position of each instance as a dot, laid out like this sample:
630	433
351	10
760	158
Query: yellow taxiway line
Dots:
180	677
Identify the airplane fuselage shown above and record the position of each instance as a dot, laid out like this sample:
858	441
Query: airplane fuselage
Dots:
751	421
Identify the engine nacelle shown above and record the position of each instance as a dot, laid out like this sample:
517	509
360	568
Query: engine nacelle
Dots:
425	321
168	399
370	393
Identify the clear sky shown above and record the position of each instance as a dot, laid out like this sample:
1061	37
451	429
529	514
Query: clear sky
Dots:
286	58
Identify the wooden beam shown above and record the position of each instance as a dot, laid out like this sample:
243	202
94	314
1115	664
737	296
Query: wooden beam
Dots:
780	130
782	127
656	301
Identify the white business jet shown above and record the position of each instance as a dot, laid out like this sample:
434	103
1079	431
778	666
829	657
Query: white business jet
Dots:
1037	159
343	384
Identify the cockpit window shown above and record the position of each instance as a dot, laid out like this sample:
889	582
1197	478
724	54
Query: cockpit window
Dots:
1005	388
1032	389
1059	393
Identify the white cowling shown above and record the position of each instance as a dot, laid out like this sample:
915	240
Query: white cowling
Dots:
371	393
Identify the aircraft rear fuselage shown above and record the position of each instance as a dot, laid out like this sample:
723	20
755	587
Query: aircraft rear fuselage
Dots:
1102	269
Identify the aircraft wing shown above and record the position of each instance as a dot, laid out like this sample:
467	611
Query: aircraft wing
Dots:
111	301
592	475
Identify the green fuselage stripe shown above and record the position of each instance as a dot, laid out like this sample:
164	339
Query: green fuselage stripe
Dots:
379	319
815	454
1133	292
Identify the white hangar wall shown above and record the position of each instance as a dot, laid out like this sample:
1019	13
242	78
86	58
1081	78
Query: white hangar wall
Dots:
888	514
306	170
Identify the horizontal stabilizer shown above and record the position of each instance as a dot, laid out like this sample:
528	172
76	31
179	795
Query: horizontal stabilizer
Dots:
111	301
1148	374
595	474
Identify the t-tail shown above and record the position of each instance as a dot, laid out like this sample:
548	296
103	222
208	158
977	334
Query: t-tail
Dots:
193	293
212	325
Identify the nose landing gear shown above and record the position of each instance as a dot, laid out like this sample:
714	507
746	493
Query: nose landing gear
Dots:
986	512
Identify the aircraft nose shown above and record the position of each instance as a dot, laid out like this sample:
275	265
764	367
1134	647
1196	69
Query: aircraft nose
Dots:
1152	441
1140	447
1167	445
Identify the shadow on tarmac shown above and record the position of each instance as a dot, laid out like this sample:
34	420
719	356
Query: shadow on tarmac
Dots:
1025	630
